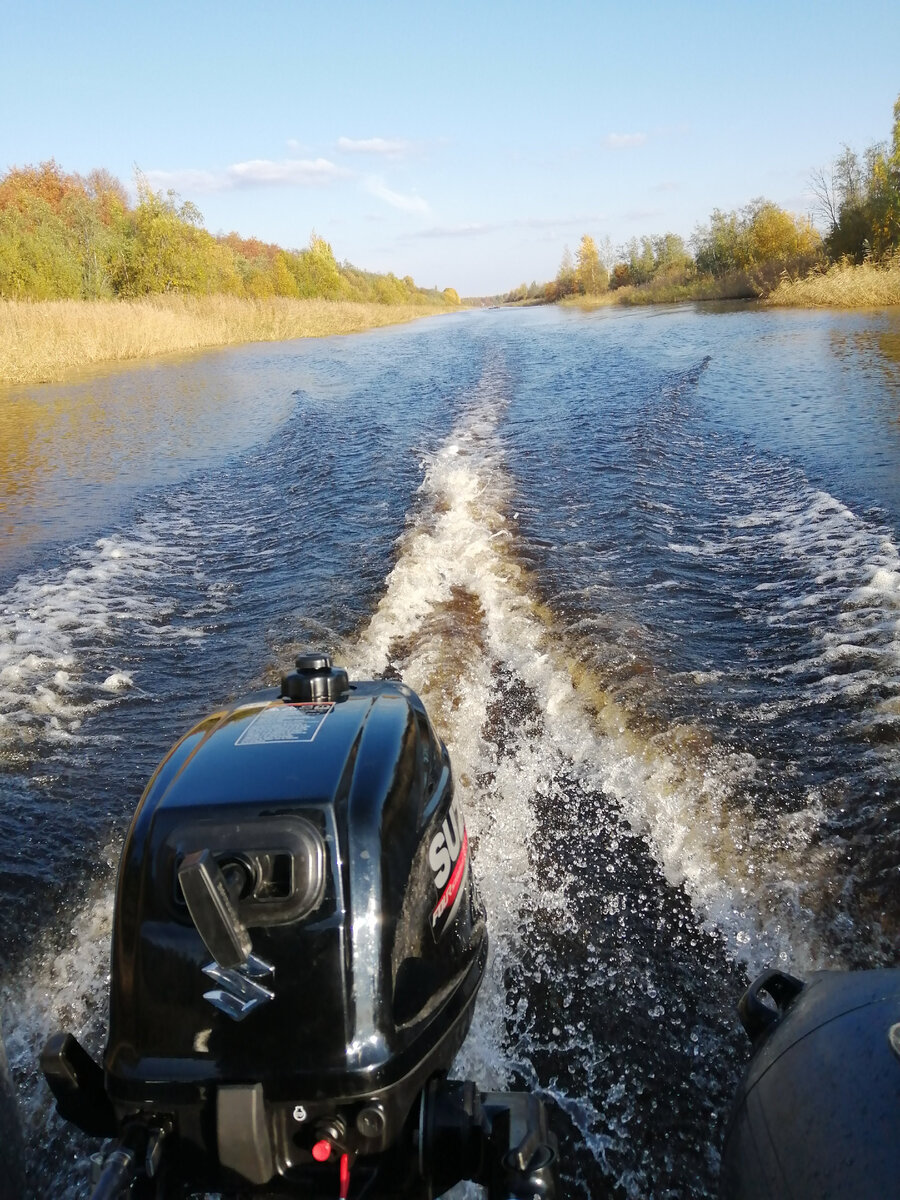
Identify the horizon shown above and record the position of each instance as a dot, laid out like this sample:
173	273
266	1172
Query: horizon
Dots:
465	147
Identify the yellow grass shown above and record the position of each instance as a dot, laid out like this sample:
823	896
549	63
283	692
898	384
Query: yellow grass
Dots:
843	286
43	341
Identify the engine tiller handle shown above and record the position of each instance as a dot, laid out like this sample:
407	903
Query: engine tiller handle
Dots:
212	909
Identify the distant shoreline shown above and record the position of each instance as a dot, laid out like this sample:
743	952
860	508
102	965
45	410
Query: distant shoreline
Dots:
844	285
50	341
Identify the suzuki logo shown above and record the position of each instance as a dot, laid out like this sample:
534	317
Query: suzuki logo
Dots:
239	990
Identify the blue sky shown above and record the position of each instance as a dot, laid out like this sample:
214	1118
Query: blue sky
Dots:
463	143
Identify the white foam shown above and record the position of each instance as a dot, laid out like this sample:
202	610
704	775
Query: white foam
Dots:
59	629
845	583
119	681
688	802
61	985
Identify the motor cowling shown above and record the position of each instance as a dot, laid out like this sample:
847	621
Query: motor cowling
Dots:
297	938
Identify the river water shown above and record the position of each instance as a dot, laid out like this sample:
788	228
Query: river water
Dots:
644	568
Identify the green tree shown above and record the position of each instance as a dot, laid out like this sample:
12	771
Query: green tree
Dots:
565	276
316	271
640	260
389	290
670	256
38	258
163	247
283	280
716	245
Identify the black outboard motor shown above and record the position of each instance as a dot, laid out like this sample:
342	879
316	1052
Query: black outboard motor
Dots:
818	1111
297	948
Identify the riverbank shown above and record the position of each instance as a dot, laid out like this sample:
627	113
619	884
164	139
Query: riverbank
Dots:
47	341
672	288
844	285
668	291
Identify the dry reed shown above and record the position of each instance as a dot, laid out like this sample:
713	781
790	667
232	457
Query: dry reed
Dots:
844	285
44	341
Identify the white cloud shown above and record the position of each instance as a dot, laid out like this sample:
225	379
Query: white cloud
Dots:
376	186
385	147
621	141
302	171
259	172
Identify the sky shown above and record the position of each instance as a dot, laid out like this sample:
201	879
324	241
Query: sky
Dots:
465	144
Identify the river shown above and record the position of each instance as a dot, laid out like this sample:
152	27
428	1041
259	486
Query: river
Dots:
642	565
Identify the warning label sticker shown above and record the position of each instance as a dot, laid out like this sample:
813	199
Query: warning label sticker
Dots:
285	723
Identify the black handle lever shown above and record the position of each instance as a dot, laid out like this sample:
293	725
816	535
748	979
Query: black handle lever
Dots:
212	909
757	1016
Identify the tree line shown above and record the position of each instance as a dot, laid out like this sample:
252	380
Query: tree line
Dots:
70	236
746	252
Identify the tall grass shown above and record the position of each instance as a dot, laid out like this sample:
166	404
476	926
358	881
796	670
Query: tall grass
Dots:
44	341
845	285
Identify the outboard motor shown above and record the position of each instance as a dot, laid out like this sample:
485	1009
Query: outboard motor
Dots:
817	1112
297	948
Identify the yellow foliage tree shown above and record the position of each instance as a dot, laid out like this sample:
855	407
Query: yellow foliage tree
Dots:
774	236
590	274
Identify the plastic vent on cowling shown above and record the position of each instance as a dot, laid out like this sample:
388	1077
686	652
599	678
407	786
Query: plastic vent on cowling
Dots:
315	680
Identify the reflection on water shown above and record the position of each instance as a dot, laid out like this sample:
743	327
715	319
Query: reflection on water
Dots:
873	352
70	453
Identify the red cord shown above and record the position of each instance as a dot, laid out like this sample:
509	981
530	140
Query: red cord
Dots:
345	1177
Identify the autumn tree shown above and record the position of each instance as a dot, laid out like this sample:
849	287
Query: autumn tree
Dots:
858	198
47	183
884	194
590	275
49	235
64	235
761	241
